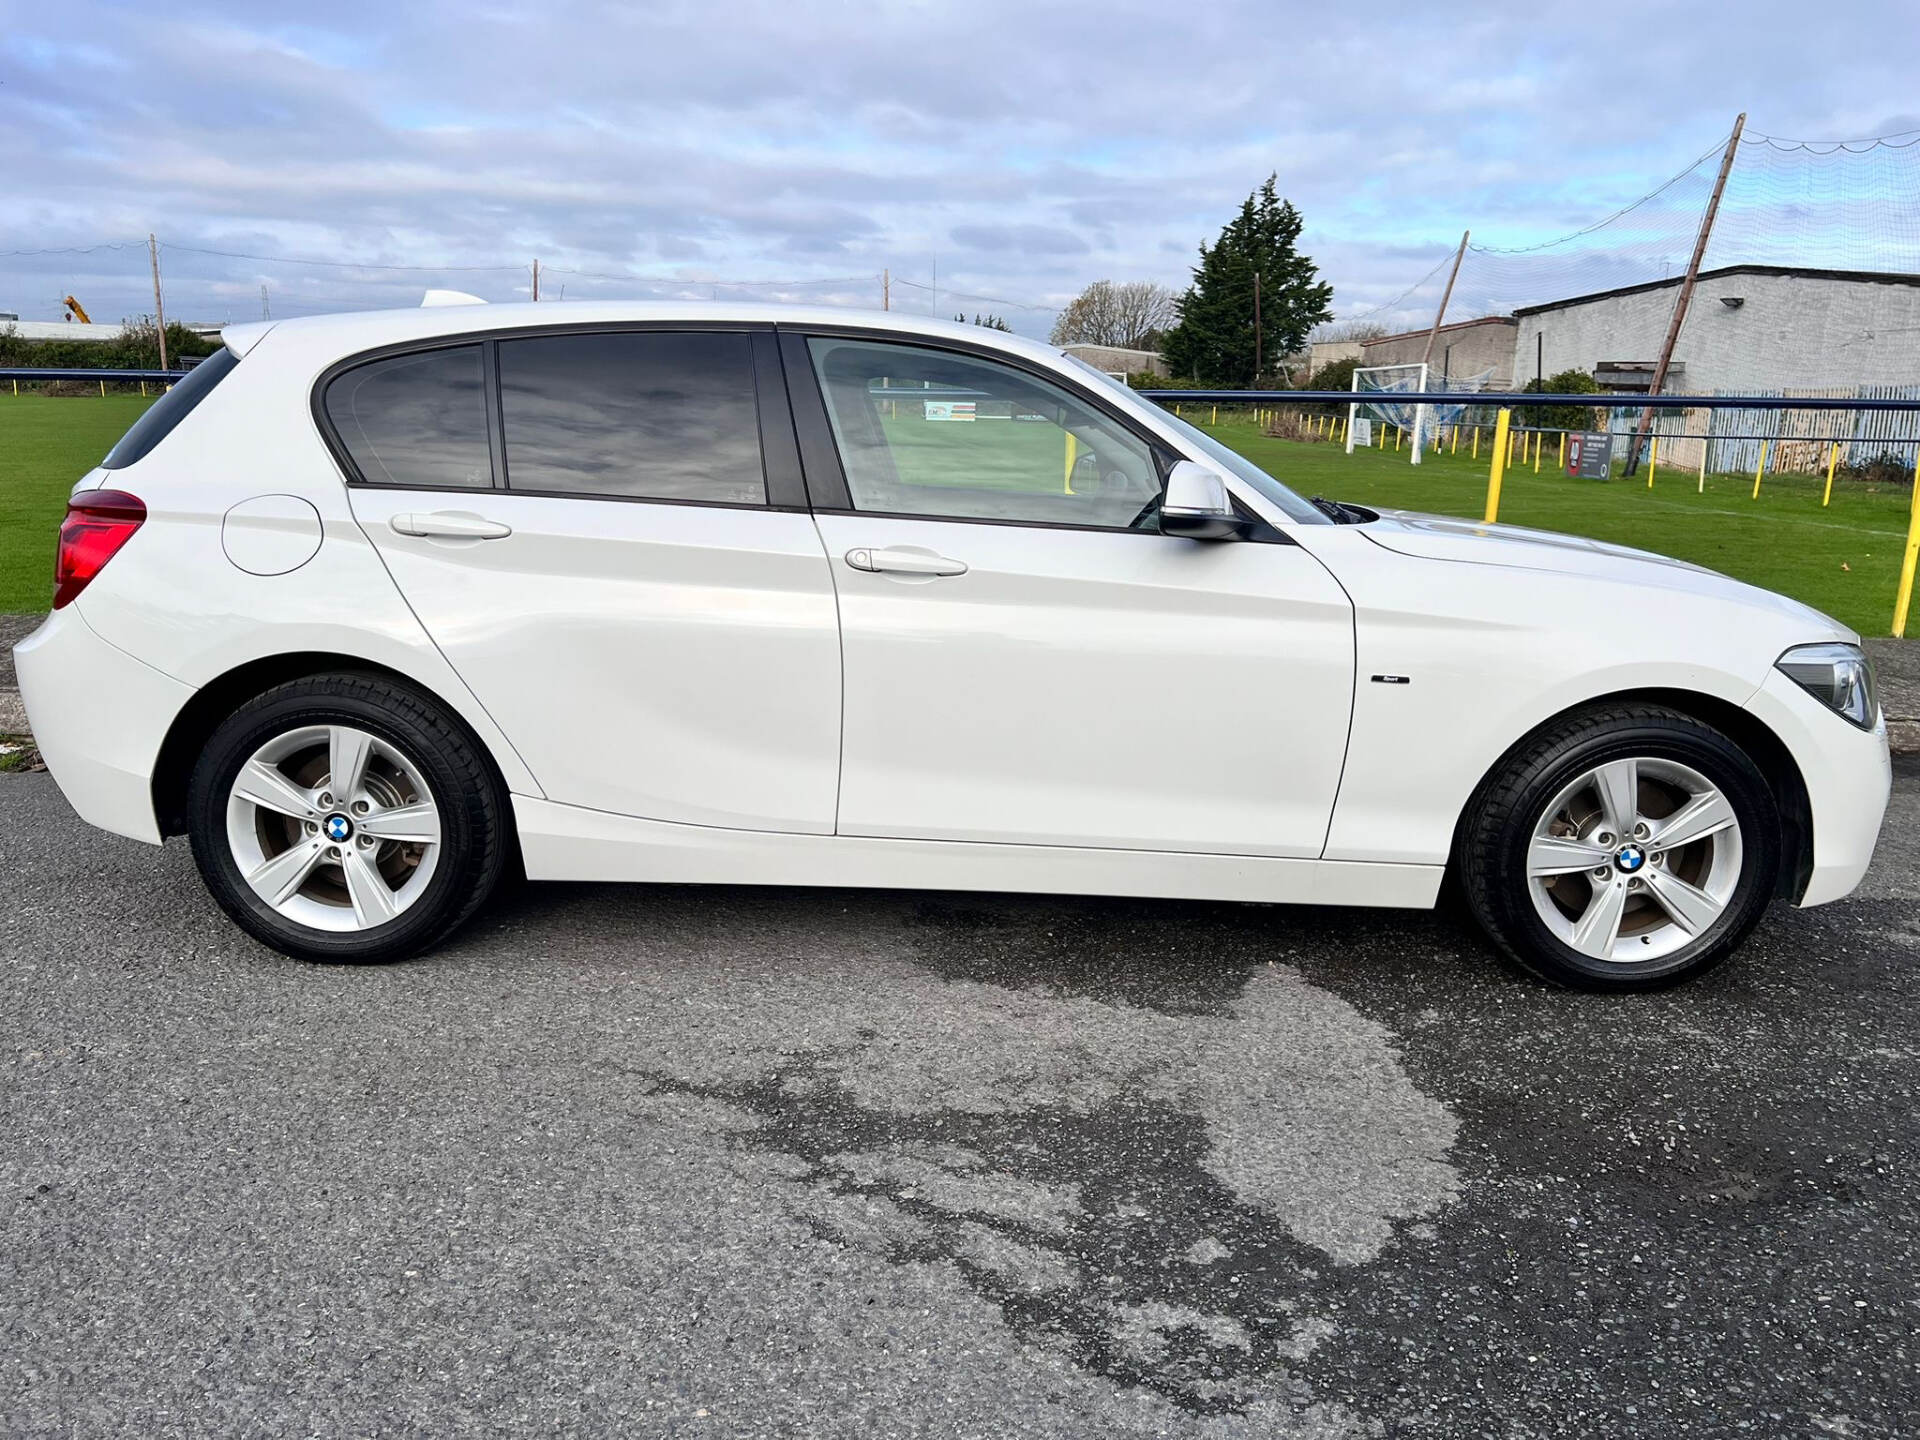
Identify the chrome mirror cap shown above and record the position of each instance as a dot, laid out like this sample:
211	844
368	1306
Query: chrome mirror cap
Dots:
1197	505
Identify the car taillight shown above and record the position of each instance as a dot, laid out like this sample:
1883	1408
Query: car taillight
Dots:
98	523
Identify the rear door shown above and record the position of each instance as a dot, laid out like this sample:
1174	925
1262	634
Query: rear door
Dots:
605	532
1028	659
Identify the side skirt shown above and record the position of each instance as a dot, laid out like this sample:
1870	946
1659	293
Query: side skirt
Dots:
565	842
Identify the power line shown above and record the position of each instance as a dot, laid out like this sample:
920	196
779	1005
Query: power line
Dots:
631	279
337	264
78	249
1621	213
1899	140
1389	304
983	299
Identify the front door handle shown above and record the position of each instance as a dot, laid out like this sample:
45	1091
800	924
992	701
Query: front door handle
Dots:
450	525
905	562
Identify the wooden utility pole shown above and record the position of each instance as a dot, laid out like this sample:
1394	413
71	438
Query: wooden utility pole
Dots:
1686	294
159	312
1426	356
1256	327
536	281
886	289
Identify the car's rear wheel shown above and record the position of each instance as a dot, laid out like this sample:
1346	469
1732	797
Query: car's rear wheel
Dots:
1622	848
345	817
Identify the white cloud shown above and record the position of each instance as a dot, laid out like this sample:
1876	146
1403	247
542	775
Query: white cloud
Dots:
1023	149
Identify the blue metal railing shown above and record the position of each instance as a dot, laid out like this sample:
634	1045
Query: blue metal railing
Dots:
1513	399
132	377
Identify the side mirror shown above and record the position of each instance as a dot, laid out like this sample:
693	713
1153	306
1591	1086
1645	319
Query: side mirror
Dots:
1197	505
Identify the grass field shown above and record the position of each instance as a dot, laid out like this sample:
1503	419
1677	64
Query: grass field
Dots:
1843	559
46	444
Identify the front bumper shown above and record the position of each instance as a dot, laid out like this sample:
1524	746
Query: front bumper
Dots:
98	718
1849	779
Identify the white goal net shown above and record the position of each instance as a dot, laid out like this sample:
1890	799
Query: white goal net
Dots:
1389	395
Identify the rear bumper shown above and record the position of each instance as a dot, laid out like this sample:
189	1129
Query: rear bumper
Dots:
98	717
1849	779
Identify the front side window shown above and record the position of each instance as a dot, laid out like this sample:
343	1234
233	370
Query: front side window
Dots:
418	419
932	432
646	414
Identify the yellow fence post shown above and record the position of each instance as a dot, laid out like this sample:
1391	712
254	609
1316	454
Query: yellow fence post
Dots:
1563	450
1216	415
1912	557
103	389
1761	469
1500	439
1476	442
1833	458
1072	446
1537	438
1653	462
1176	407
1396	439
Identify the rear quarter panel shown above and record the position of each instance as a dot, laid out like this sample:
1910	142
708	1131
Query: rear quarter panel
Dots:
176	601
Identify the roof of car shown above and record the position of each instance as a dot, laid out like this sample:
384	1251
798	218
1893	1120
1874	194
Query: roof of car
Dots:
367	329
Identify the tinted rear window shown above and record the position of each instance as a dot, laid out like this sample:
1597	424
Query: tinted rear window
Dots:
418	419
170	409
661	415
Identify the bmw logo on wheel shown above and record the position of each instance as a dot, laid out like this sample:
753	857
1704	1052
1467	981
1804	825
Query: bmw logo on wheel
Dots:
338	828
1630	858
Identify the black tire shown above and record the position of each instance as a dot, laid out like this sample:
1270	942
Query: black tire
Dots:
1498	828
475	833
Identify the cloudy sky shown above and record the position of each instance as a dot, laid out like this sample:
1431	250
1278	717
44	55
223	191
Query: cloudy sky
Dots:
1007	152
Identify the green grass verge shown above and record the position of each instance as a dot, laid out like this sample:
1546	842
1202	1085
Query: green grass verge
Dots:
1843	559
47	443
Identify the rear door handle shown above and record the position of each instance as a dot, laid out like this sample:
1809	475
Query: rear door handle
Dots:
451	525
905	562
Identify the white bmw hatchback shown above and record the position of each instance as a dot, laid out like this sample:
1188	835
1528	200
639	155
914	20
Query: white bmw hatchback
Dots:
373	607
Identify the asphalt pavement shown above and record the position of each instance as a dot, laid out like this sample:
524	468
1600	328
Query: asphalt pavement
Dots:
733	1162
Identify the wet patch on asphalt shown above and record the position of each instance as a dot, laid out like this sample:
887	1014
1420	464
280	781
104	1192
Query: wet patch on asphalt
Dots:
1112	1196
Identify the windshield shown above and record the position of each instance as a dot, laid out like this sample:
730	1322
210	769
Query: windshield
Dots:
1293	506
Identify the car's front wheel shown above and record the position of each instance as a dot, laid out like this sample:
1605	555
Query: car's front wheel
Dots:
346	818
1622	848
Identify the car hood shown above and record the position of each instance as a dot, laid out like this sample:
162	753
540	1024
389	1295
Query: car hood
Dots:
1439	537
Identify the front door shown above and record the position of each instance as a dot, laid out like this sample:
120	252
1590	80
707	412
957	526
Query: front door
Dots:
1027	658
581	520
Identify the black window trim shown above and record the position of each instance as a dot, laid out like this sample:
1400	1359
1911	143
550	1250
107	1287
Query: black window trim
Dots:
826	476
162	423
779	454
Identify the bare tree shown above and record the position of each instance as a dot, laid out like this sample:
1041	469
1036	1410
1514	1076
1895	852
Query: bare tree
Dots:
1349	330
1129	316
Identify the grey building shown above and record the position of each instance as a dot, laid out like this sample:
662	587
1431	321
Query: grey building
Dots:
1748	328
1461	351
1115	360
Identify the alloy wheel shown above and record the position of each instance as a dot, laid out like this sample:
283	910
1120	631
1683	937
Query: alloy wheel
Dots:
1634	860
333	827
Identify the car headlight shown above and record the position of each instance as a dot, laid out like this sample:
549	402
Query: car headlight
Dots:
1838	676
